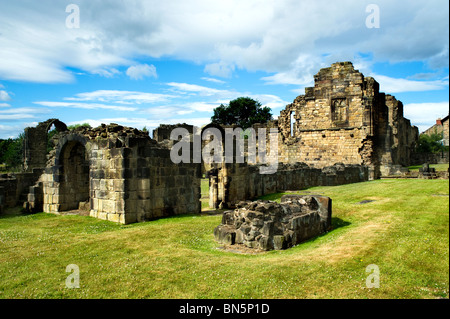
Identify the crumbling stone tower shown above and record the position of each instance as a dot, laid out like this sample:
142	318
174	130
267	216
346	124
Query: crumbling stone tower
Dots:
345	118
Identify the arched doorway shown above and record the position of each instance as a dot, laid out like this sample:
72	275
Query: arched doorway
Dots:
74	177
36	144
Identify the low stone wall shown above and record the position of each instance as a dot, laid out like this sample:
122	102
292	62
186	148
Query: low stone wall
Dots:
15	186
268	225
432	158
239	182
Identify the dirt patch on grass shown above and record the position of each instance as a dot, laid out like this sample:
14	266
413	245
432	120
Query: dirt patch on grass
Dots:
349	245
354	243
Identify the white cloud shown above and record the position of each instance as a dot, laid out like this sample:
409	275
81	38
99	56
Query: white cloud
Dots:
107	72
213	80
215	97
196	89
10	131
20	113
4	96
23	110
224	35
88	106
220	69
4	105
167	111
424	115
16	116
121	97
397	85
202	106
140	71
272	101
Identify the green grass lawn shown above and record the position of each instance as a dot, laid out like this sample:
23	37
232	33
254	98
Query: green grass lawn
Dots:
404	231
204	186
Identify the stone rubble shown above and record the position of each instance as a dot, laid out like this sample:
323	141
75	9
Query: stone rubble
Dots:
268	225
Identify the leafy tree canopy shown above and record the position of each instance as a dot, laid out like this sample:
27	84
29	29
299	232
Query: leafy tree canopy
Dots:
431	143
243	112
11	151
75	126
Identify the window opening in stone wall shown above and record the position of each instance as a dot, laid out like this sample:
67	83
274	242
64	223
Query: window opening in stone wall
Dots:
292	120
52	131
339	111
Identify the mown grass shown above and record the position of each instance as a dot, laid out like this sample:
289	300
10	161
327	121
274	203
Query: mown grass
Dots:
404	231
204	187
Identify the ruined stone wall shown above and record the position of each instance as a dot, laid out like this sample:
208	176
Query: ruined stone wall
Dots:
162	132
344	118
431	158
400	143
117	174
155	186
332	120
121	174
242	181
35	143
14	187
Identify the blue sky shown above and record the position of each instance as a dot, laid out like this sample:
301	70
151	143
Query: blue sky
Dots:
145	63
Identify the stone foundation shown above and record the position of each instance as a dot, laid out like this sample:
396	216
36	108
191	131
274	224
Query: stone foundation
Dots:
268	225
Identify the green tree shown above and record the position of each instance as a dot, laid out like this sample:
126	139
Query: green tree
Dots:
431	143
75	126
243	112
11	152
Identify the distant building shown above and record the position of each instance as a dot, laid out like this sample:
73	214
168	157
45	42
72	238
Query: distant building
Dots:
441	127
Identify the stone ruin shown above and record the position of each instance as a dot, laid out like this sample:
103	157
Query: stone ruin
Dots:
427	172
342	130
267	225
114	173
345	118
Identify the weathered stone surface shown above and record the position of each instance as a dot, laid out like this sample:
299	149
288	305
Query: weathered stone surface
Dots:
342	130
115	172
268	225
344	118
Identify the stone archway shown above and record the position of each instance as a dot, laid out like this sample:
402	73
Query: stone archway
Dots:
35	143
74	177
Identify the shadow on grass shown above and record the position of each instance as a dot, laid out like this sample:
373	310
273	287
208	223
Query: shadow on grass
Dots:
338	223
13	212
